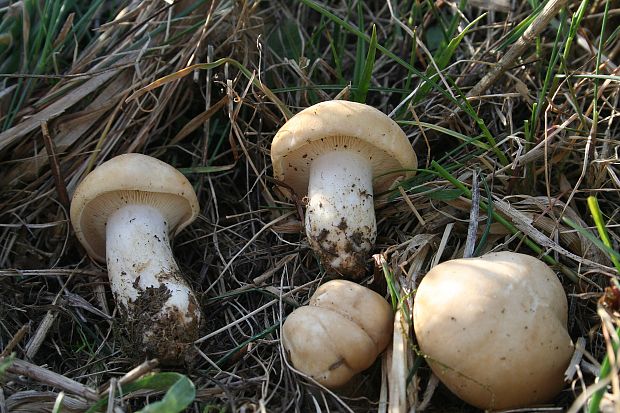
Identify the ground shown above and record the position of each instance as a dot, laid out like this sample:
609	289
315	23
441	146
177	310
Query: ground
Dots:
204	86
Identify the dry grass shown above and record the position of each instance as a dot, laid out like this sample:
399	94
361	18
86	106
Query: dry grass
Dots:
246	255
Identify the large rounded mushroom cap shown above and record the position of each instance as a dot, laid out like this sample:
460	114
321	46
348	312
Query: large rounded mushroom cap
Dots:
493	329
338	125
126	179
339	334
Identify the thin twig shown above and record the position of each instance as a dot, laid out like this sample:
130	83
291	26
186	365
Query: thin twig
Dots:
34	344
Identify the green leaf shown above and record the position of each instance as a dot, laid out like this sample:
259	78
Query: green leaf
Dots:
434	37
177	398
180	392
5	363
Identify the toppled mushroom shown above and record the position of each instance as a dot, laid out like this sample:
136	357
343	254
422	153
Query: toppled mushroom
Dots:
339	334
493	329
124	212
340	153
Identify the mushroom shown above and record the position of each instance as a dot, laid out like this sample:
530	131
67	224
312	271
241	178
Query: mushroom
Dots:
493	329
124	212
339	334
339	154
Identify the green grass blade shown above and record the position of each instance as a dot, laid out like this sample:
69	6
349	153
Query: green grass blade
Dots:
483	127
595	401
597	216
614	78
547	83
587	234
531	244
366	77
449	132
205	169
574	25
444	194
255	337
389	278
521	27
487	228
350	28
58	403
443	58
360	48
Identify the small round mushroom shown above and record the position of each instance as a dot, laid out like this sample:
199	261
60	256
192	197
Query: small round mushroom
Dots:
493	329
339	154
339	334
124	212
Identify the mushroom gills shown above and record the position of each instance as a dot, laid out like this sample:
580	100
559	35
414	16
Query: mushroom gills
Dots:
161	309
340	217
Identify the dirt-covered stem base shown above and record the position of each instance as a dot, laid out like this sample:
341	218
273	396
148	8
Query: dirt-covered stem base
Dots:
160	312
340	218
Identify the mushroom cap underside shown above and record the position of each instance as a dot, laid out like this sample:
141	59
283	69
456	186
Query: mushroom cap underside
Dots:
339	125
126	179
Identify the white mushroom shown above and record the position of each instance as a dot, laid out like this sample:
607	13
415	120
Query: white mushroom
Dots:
339	334
493	329
340	154
124	212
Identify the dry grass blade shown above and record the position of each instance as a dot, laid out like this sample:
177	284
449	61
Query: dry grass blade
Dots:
516	50
45	376
6	351
59	181
12	135
398	370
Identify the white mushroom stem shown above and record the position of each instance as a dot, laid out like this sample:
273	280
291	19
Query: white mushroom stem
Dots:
340	218
140	261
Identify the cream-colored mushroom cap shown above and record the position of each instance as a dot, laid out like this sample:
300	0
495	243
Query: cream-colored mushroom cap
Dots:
494	329
339	334
341	125
126	179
